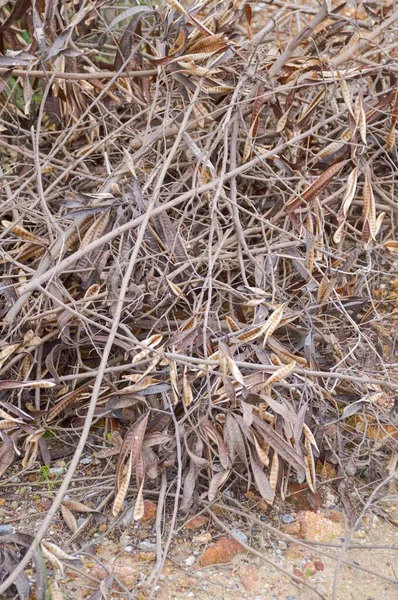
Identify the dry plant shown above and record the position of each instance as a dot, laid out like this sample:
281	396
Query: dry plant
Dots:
197	247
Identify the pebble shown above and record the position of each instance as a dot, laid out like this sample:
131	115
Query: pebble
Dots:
56	471
288	519
6	530
360	534
291	528
240	535
282	545
86	461
146	545
128	548
190	561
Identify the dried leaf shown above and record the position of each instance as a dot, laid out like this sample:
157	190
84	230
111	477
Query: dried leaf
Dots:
69	519
262	481
216	482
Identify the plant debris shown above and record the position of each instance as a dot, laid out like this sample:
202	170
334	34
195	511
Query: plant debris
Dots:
198	253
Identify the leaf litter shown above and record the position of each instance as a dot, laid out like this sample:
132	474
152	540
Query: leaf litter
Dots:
198	252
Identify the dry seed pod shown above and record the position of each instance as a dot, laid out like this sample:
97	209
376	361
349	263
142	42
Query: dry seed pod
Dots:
379	222
345	92
369	206
260	452
7	351
55	593
58	552
360	118
177	291
26	367
276	360
308	434
53	559
186	390
23	233
325	289
123	487
219	89
92	291
310	474
207	42
76	506
29	335
273	477
232	325
390	141
280	374
392	246
273	321
350	191
6	416
338	233
139	508
8	424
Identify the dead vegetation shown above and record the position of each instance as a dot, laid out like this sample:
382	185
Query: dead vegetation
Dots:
197	250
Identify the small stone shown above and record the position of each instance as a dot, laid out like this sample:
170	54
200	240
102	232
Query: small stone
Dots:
249	578
282	545
196	522
55	472
144	557
288	519
146	545
317	528
335	515
190	561
203	538
150	510
360	534
86	461
223	551
128	548
6	530
291	528
319	565
298	573
242	537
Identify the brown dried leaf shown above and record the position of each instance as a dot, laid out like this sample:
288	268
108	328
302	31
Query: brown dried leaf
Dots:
262	481
69	518
216	482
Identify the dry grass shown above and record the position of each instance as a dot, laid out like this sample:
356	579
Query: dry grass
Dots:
197	246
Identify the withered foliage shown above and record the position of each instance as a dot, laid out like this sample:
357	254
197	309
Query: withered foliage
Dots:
239	160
